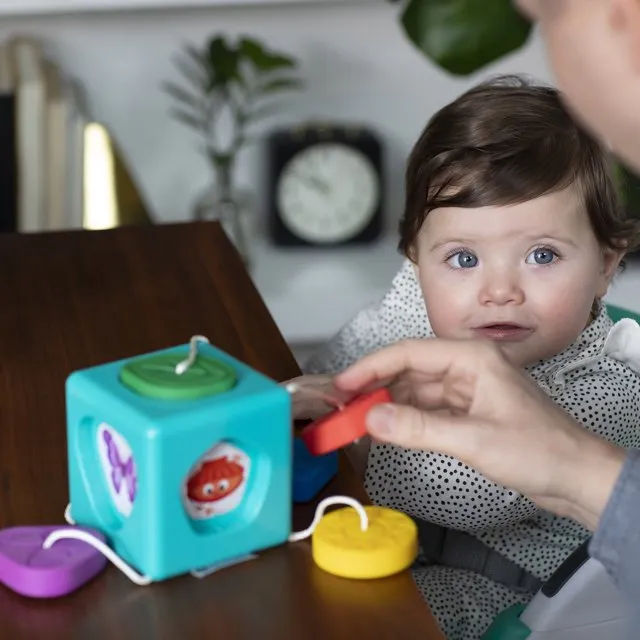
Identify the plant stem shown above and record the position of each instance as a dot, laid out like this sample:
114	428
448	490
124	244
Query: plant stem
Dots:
229	207
224	159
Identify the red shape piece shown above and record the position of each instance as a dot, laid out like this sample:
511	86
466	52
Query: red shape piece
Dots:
343	426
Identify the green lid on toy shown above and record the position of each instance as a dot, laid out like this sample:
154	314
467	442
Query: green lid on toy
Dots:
171	376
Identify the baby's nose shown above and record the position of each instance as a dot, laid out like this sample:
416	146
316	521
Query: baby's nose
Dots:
502	289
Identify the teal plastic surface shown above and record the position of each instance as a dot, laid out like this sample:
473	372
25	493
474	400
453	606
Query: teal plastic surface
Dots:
508	626
180	484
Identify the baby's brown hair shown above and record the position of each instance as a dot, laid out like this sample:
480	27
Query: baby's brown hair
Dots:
507	141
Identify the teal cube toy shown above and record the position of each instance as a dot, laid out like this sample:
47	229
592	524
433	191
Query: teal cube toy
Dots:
180	471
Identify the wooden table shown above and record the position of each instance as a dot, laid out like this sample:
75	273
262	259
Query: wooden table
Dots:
76	299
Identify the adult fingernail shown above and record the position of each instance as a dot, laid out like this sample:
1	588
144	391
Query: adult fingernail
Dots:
380	419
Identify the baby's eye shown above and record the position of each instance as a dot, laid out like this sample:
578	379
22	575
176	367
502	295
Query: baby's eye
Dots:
542	256
462	260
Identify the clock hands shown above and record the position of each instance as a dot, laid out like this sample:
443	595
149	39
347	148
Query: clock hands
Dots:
316	183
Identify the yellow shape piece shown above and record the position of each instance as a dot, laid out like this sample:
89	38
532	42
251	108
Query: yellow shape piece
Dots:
389	544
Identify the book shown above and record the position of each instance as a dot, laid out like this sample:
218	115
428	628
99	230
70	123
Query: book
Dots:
8	150
30	92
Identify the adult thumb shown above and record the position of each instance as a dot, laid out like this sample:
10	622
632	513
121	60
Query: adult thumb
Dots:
407	426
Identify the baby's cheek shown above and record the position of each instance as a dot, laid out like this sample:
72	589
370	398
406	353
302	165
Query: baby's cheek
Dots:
445	313
565	313
449	299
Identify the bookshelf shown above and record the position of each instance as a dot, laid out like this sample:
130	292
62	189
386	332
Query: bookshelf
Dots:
37	7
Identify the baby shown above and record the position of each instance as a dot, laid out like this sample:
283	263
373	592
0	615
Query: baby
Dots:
512	231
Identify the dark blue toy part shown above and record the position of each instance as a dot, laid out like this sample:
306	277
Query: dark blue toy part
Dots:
311	473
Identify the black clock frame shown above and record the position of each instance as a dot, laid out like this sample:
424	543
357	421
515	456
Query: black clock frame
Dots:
284	144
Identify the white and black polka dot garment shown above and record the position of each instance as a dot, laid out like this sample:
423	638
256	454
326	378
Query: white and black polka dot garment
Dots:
600	391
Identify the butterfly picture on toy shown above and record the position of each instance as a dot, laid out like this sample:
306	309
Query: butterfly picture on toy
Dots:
217	482
119	468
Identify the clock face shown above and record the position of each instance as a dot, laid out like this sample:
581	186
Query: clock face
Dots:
328	193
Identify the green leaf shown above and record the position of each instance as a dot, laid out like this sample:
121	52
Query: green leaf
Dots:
629	188
198	57
219	159
263	59
197	80
259	113
223	62
619	175
181	95
187	118
280	84
463	36
193	67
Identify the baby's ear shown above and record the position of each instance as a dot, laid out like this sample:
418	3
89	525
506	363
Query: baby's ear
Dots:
412	255
611	259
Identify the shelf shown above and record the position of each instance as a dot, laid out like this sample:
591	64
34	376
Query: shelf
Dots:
34	7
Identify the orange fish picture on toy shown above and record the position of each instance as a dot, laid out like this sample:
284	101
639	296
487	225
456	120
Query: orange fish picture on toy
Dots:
217	482
216	479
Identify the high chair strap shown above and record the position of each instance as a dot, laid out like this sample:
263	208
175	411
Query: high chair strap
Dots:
460	550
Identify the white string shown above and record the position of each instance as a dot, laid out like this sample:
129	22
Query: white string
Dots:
67	515
141	580
364	520
198	573
107	552
181	367
293	387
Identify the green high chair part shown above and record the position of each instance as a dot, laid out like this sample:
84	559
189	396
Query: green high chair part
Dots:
617	313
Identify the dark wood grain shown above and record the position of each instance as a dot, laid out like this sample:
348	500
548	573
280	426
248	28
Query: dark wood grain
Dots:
77	299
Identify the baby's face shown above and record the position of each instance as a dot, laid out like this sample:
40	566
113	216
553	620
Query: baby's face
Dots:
523	275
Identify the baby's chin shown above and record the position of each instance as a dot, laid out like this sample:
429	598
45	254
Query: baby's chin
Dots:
520	354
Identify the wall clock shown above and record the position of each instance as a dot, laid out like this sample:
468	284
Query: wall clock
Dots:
325	185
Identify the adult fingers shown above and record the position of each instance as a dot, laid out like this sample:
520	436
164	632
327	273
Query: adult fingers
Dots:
418	391
413	428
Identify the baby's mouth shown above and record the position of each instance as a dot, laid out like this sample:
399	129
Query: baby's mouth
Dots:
502	331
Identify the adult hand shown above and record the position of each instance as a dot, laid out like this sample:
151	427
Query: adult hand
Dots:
313	396
464	399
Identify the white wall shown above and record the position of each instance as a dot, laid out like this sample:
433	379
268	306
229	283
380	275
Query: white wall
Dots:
357	64
355	60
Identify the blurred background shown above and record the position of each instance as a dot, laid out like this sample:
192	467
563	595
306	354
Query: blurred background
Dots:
100	103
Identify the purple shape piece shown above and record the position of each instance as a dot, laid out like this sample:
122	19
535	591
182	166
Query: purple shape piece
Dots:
29	569
120	471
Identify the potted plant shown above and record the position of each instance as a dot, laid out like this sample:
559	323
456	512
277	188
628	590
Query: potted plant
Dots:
464	36
223	95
